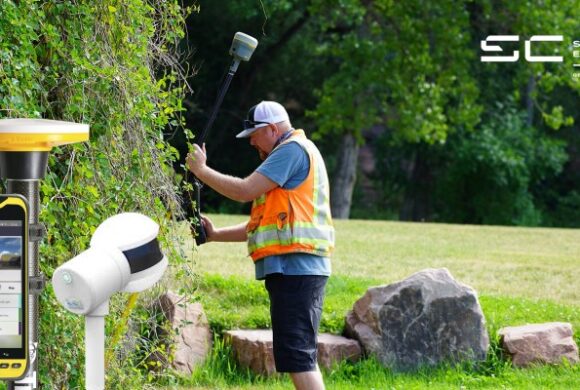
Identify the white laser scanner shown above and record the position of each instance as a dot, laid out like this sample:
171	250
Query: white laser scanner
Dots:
124	255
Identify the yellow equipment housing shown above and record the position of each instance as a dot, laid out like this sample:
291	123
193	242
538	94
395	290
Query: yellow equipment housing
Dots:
31	135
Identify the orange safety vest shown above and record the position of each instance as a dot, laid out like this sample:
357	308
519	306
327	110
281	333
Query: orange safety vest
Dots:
297	220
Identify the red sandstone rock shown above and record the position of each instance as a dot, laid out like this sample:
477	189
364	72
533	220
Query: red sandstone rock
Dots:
253	349
539	343
192	339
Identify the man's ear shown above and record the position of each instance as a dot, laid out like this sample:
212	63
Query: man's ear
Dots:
275	130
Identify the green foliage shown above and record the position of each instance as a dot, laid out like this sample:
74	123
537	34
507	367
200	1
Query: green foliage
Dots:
567	211
500	173
494	170
108	64
556	119
339	291
65	331
234	301
402	62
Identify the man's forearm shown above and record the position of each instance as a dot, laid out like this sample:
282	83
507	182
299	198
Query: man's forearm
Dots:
229	186
236	233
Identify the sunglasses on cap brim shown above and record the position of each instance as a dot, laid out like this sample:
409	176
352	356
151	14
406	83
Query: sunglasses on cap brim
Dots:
248	124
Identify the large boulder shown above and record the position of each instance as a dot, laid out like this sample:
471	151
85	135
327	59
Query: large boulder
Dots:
425	319
190	340
253	349
539	343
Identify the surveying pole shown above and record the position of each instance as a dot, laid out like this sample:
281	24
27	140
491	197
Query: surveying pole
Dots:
242	48
24	148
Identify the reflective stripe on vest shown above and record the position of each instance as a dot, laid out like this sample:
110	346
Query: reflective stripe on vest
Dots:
297	220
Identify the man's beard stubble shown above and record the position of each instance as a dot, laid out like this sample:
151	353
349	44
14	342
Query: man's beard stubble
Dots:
263	155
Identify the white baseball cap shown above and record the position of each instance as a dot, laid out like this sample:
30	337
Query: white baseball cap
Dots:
263	114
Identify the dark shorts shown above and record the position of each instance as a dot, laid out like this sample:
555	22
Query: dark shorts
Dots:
295	309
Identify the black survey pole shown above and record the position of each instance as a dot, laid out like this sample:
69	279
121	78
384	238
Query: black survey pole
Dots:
200	236
220	98
242	48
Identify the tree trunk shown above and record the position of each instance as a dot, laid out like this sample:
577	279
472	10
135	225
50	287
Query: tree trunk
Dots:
530	100
342	185
417	202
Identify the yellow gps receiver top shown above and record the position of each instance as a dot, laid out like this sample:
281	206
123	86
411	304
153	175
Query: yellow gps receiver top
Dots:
28	135
25	143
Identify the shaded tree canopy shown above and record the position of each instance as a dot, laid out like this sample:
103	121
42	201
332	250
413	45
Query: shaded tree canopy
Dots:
404	82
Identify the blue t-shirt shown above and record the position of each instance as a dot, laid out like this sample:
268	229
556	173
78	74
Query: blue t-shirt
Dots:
288	167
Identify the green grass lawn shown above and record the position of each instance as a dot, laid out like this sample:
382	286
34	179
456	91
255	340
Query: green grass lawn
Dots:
522	275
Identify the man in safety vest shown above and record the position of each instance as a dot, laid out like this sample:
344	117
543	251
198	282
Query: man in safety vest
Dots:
290	234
